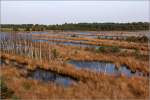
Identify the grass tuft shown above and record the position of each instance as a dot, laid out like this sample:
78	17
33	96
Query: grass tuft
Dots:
104	49
26	86
5	92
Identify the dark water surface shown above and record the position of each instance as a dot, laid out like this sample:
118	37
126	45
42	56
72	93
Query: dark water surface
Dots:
41	74
105	67
46	76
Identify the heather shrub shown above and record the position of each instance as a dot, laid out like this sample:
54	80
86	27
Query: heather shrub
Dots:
55	53
105	49
5	92
26	85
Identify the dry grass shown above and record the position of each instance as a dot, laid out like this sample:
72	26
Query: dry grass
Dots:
76	53
100	42
129	60
95	85
105	87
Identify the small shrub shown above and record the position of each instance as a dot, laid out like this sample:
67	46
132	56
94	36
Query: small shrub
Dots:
138	55
73	35
14	97
137	39
98	37
101	49
55	53
104	49
15	29
27	29
143	39
26	85
115	49
5	92
75	52
124	53
136	52
89	48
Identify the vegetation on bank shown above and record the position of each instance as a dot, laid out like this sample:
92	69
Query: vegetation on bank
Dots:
80	26
5	92
104	49
137	39
96	86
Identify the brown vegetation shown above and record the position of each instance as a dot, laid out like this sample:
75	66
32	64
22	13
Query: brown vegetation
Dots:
103	87
54	58
100	42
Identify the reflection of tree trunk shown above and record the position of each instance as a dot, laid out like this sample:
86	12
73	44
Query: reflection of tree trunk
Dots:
25	49
54	77
28	46
49	56
31	51
13	48
35	51
40	50
20	48
15	44
105	68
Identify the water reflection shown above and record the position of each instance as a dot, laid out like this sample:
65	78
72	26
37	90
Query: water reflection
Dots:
105	67
43	75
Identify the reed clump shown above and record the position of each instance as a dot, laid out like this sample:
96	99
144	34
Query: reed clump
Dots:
104	49
53	58
5	92
100	88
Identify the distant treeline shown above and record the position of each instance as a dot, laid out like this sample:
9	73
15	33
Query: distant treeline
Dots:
81	26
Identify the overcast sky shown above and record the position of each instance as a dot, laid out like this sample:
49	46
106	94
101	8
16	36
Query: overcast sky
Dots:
58	12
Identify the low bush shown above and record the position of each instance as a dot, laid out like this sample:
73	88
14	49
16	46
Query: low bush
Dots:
101	49
5	92
26	85
75	52
14	97
90	48
98	37
74	35
137	39
115	49
138	55
104	49
55	53
136	52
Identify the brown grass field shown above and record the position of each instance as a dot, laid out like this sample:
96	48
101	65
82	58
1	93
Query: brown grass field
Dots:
89	84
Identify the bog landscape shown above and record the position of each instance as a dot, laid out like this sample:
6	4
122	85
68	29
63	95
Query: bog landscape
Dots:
75	61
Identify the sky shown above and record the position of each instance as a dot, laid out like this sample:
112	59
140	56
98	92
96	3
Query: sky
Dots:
59	12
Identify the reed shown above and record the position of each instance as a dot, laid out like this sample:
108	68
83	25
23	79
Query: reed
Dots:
104	87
